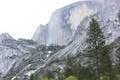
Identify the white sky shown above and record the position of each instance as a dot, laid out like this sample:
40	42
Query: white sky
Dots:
20	18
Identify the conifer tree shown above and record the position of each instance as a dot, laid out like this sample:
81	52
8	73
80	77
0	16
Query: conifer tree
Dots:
97	50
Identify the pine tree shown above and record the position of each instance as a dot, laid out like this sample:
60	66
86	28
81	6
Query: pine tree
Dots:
97	50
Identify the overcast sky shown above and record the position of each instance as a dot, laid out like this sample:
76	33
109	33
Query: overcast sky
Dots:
20	18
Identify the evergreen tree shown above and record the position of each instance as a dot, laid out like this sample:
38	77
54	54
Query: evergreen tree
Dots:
97	52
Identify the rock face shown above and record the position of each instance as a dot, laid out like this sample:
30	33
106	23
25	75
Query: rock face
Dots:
68	26
5	53
5	36
41	35
64	22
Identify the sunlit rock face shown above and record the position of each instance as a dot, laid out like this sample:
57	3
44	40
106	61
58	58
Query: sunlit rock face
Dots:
41	35
64	22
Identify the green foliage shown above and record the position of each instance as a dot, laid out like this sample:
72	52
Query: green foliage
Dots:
105	78
32	77
49	75
73	67
98	52
106	63
47	78
71	78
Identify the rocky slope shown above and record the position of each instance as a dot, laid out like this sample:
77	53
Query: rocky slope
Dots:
12	50
21	57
